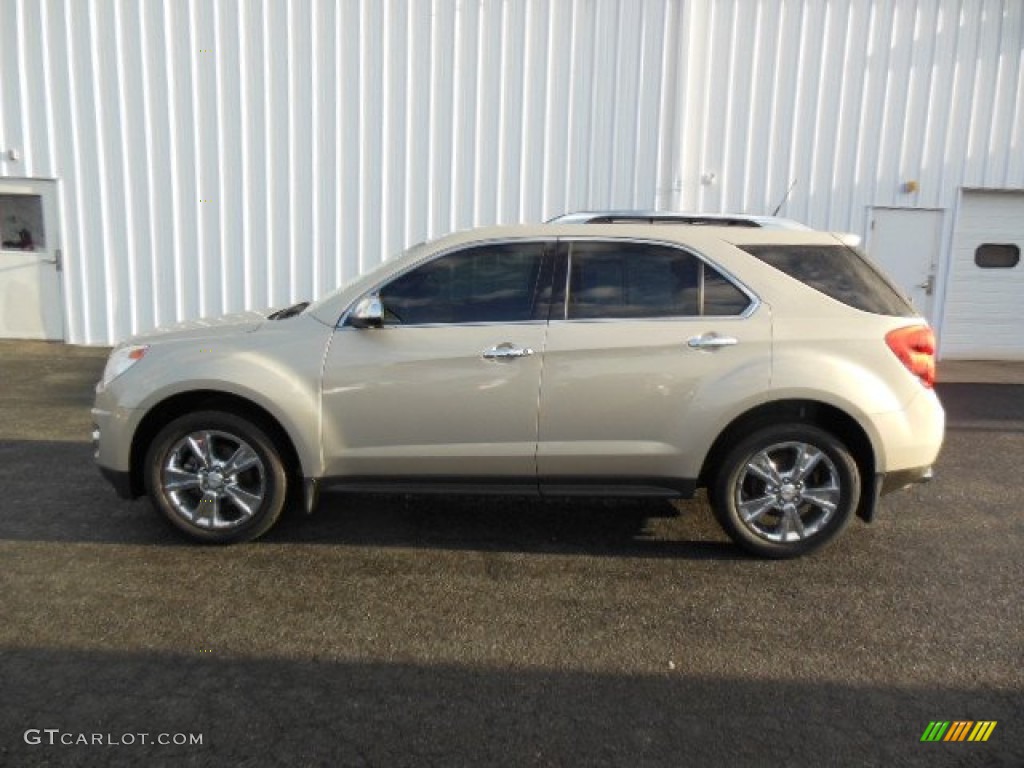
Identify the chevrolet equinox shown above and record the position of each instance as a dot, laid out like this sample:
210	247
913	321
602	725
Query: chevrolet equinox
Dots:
778	369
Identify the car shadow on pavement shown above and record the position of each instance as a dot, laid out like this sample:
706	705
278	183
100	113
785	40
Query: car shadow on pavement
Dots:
53	492
614	527
330	712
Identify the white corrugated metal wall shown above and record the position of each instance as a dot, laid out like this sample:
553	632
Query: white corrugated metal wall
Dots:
220	154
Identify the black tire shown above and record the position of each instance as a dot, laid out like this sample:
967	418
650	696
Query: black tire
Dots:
772	509
210	505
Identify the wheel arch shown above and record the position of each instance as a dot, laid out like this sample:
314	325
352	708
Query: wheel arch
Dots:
825	416
165	411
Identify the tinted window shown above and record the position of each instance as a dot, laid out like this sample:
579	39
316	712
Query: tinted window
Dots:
486	284
722	297
623	280
997	256
837	271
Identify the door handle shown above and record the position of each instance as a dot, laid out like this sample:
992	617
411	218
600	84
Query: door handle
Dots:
711	341
57	259
506	351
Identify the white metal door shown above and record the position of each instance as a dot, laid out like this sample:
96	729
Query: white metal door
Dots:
906	243
982	317
31	305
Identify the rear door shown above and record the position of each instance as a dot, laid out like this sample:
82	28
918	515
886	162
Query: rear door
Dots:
651	341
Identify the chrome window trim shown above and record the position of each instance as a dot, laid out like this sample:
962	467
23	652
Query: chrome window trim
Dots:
752	307
667	319
447	325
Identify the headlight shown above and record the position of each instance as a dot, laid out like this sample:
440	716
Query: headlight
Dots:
120	360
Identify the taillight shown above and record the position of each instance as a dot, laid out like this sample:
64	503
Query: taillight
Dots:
915	347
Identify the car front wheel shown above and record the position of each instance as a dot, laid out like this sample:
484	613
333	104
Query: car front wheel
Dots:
216	476
785	491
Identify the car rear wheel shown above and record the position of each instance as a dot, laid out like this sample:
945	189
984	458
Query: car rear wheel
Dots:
785	491
216	476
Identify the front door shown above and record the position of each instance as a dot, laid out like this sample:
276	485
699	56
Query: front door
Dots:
31	306
906	242
449	386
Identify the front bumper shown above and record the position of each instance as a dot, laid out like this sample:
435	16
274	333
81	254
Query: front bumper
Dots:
122	481
112	432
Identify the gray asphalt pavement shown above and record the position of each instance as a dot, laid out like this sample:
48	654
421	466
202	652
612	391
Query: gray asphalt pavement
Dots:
401	631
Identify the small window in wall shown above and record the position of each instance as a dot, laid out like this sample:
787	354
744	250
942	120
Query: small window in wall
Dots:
997	256
21	223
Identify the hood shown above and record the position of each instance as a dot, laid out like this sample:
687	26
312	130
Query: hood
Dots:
207	327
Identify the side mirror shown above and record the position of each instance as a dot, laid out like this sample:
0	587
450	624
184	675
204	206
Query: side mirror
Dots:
368	313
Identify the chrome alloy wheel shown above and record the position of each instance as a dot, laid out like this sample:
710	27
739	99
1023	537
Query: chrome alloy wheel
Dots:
214	480
788	492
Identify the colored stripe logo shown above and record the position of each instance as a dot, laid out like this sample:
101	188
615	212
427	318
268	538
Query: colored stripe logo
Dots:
958	730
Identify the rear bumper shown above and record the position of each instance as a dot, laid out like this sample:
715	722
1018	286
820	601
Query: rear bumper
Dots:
895	481
909	440
908	443
887	483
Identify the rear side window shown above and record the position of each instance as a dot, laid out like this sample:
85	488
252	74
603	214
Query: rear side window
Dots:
722	298
640	280
837	271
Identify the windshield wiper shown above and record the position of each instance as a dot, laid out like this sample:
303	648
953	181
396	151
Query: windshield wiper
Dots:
292	311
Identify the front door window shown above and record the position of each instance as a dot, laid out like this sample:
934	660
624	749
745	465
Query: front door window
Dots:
498	283
456	367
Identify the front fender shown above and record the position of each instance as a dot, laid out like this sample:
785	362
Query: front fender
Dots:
277	369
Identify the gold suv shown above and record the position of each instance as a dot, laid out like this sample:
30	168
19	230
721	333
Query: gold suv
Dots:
778	369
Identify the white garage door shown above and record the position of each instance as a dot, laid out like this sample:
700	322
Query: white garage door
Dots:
984	308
